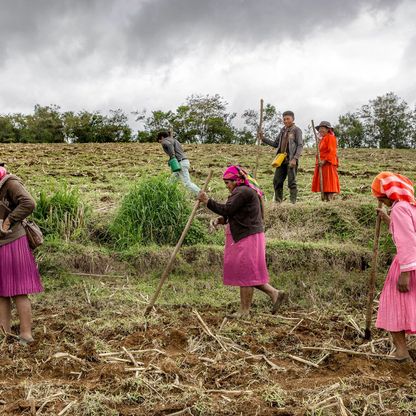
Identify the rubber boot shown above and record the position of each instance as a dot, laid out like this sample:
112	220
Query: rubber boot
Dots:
278	195
293	195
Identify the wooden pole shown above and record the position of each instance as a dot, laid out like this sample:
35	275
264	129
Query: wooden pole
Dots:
259	136
169	266
373	275
318	155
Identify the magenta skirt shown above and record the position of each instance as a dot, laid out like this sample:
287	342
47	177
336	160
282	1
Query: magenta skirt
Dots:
397	311
245	261
19	274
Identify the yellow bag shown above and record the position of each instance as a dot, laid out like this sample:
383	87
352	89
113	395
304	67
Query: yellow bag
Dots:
279	159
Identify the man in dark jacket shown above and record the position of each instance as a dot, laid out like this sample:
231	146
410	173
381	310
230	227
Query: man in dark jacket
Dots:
289	141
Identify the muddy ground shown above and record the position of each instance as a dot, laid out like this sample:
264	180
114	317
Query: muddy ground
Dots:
97	355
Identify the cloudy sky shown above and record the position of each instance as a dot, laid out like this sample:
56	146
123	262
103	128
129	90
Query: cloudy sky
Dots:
320	58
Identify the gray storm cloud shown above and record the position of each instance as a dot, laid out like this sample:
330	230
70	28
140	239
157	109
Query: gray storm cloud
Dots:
164	27
150	31
101	54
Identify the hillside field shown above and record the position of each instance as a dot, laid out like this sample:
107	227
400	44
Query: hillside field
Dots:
96	354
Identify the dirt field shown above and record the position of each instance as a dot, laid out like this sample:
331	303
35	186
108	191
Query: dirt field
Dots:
95	353
103	172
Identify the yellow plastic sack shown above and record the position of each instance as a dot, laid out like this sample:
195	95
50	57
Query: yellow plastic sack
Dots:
279	159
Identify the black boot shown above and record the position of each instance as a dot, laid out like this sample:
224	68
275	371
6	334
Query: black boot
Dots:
278	195
293	195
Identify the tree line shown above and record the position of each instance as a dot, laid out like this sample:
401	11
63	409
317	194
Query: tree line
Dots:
384	122
48	124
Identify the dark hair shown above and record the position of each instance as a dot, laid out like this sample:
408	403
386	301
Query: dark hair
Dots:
162	135
2	164
289	113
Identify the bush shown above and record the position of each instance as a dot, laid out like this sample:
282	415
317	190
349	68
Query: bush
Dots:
155	211
61	214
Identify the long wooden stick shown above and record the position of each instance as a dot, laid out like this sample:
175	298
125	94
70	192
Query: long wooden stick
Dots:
318	155
169	266
259	135
373	275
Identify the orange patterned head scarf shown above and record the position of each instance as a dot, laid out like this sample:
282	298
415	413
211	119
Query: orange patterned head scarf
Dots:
393	186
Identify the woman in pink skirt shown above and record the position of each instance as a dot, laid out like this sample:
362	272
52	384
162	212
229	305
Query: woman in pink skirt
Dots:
245	245
19	274
397	309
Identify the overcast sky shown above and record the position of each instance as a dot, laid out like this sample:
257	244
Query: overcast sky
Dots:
319	58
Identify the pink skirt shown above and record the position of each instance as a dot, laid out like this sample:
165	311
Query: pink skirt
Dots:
245	261
397	311
19	274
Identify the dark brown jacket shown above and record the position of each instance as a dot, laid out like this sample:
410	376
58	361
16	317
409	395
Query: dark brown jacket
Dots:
15	197
243	211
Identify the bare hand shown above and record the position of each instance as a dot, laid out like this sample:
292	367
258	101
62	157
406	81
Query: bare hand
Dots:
5	226
203	197
383	215
403	283
213	225
292	163
322	163
221	221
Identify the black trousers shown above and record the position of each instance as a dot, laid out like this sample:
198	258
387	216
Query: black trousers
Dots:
280	175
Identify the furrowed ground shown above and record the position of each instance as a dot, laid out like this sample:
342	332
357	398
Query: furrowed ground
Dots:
95	353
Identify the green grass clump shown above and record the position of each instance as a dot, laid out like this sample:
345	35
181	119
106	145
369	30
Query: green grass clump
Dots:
154	211
61	214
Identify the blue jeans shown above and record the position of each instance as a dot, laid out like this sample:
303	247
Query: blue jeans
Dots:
183	175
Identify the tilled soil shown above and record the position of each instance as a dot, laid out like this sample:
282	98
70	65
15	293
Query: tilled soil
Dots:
178	363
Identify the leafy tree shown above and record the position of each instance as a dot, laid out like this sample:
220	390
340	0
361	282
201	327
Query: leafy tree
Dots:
202	119
86	127
413	133
272	123
45	125
350	131
116	128
157	120
79	128
208	120
385	122
9	133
